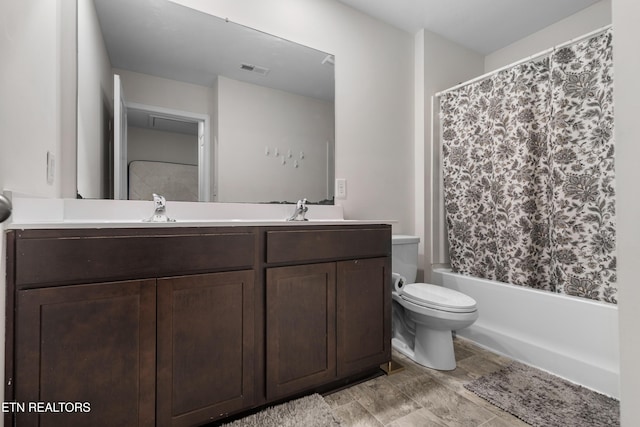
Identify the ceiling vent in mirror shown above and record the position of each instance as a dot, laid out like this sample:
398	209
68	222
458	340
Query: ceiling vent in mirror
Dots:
173	124
263	71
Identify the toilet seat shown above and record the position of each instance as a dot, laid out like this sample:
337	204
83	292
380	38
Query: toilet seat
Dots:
438	298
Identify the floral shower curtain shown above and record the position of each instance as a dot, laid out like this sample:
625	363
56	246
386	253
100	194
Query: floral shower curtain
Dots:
528	163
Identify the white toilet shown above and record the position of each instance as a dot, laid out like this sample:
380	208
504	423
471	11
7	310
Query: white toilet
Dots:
425	315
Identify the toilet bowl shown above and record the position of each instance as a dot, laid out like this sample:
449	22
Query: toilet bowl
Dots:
424	315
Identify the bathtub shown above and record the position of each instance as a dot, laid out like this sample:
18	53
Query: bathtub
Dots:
571	337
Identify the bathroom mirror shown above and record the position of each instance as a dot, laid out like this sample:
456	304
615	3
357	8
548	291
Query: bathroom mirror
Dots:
246	116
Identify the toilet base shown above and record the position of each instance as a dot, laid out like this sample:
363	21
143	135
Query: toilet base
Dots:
434	348
436	354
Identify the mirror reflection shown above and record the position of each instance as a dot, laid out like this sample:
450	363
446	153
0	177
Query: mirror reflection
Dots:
181	103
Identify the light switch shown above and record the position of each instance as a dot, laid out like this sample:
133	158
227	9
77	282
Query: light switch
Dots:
51	167
341	188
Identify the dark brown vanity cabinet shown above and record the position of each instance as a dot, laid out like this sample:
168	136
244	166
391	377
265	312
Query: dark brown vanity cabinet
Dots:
205	333
183	326
98	343
326	321
172	347
301	328
363	314
92	344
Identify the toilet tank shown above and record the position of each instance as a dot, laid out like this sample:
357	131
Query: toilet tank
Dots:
404	256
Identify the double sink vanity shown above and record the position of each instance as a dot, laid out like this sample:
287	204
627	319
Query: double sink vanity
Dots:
181	324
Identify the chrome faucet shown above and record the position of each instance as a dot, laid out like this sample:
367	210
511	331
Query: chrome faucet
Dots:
301	209
160	205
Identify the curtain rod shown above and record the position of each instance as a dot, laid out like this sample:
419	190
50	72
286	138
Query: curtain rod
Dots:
527	59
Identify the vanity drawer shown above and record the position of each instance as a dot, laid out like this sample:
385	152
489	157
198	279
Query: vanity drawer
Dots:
327	244
101	256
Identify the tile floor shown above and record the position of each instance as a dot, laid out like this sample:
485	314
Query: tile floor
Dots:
422	397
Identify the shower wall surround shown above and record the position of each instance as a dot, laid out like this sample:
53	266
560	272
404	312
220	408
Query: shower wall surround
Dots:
528	164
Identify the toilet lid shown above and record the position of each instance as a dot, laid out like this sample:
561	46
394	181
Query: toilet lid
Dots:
438	297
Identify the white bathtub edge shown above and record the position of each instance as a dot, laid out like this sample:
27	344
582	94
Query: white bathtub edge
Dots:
588	359
593	377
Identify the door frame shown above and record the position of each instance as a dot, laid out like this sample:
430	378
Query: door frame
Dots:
204	144
120	144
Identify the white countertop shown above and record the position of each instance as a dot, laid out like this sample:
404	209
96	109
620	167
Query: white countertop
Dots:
34	213
188	223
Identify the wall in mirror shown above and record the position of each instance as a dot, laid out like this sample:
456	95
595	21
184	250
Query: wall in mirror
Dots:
267	103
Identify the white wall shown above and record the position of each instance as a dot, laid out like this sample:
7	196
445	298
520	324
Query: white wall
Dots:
166	93
37	104
374	95
627	110
95	93
583	22
440	64
252	118
30	113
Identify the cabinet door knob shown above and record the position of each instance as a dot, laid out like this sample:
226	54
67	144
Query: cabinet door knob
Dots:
5	208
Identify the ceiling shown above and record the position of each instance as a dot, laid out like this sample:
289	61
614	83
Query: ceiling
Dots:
168	40
165	39
483	26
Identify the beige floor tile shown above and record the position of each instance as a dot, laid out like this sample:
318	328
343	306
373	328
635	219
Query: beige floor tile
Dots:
462	352
339	398
471	396
353	414
423	397
411	371
462	343
479	365
446	404
505	421
454	380
420	418
383	400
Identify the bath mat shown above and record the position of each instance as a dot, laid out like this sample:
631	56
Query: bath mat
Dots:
544	400
309	411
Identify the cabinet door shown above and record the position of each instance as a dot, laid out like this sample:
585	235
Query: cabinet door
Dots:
364	314
205	347
87	343
300	329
